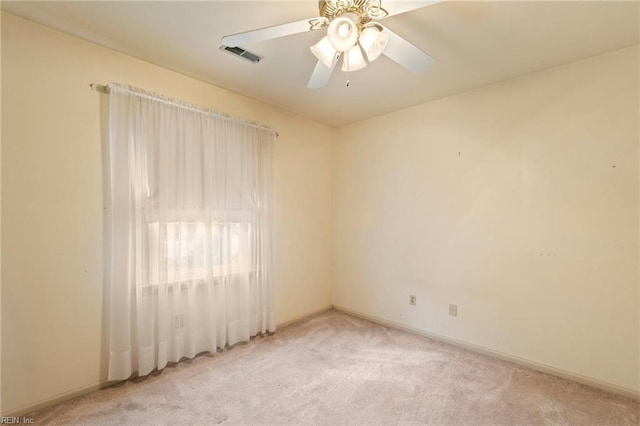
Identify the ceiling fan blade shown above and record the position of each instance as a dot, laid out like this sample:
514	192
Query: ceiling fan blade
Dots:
398	7
406	54
322	74
235	40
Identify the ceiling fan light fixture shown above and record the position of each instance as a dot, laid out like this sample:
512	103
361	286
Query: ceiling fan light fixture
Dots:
373	42
342	33
324	51
353	59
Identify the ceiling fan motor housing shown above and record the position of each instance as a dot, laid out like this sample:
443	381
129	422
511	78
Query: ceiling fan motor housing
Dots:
365	10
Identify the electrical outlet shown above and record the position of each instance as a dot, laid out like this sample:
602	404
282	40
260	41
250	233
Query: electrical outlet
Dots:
453	310
412	299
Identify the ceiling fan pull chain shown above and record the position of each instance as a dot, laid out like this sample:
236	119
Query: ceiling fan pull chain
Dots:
346	58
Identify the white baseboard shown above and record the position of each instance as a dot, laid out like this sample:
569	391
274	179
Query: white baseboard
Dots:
609	387
64	396
47	402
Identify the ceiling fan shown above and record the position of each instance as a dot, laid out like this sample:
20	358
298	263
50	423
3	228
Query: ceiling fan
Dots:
352	27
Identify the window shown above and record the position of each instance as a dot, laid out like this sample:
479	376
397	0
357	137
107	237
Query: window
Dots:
186	251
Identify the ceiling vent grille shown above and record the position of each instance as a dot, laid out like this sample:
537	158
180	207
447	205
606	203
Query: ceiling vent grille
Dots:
240	52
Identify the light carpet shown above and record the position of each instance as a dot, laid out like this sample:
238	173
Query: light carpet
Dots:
335	369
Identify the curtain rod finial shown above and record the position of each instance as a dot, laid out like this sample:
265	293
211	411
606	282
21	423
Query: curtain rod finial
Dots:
99	88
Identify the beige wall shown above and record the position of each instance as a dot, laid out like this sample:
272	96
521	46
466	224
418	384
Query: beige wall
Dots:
52	207
518	202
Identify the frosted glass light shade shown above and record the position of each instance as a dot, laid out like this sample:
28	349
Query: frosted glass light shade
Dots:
373	42
353	60
342	33
324	51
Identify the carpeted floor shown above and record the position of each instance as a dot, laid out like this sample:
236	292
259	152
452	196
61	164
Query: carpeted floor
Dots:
334	369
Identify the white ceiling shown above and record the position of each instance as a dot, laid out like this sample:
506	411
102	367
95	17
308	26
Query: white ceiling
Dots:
474	43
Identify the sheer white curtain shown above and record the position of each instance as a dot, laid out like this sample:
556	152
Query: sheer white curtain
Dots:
190	228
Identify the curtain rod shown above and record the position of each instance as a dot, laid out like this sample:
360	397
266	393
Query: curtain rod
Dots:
105	89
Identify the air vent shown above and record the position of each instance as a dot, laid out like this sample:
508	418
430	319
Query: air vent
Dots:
244	54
